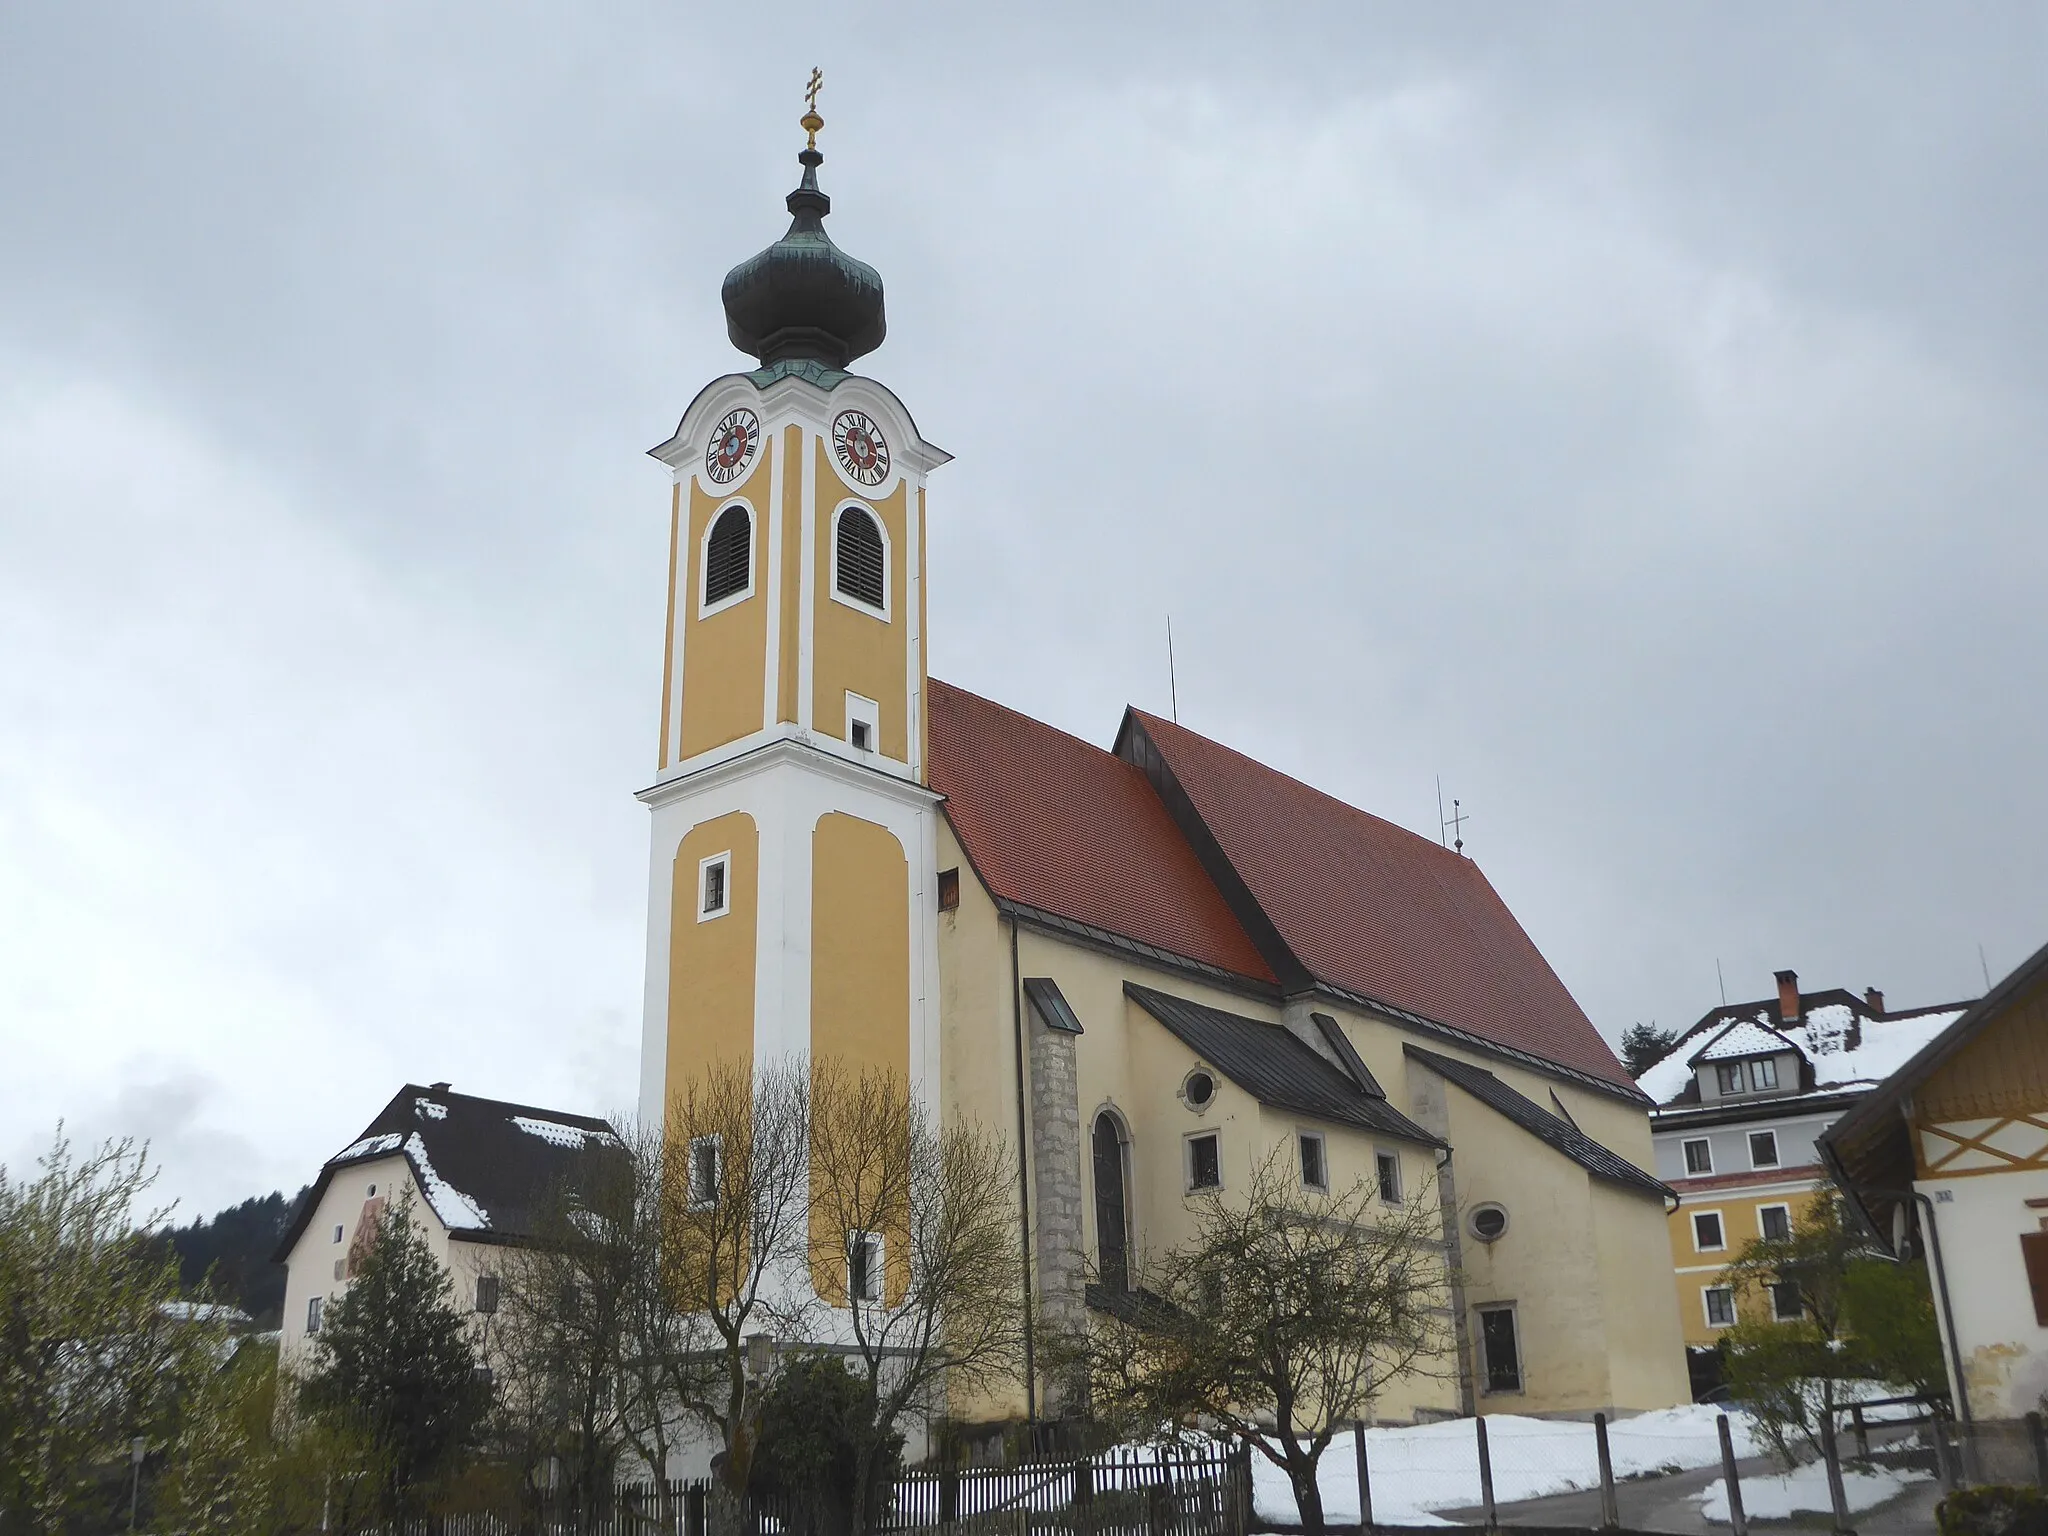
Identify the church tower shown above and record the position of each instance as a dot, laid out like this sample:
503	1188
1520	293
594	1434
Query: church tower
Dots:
791	908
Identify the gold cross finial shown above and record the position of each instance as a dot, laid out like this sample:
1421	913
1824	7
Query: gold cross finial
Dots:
810	122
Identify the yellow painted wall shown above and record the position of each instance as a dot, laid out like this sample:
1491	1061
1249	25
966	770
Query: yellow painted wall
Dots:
860	945
711	963
725	656
1696	1271
853	649
1645	1349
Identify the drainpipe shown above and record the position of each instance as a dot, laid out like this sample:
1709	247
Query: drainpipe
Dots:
1023	1176
1948	1315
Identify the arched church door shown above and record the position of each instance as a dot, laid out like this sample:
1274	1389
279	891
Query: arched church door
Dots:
1112	1224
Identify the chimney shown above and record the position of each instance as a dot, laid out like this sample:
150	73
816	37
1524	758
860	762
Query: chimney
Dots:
1788	996
1873	1000
437	1088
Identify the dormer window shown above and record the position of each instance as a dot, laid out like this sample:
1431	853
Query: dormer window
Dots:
1729	1075
1763	1073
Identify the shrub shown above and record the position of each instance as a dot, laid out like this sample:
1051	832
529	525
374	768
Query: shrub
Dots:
811	1442
1993	1511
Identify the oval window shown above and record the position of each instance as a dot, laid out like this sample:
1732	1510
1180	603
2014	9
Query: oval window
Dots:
1198	1089
1488	1222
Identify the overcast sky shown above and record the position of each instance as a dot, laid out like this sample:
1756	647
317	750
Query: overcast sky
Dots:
1633	414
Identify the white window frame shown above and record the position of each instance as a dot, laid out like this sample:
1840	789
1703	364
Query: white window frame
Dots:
888	564
705	914
1187	1162
1322	1145
1778	1316
338	1229
1722	1070
1775	1205
1760	1067
706	610
1400	1186
1521	1386
877	1272
1685	1156
701	1202
340	1268
315	1305
1707	1293
1777	1154
1721	1220
865	711
1472	1221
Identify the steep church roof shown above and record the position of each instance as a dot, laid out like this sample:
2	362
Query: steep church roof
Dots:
1178	843
1057	825
1345	899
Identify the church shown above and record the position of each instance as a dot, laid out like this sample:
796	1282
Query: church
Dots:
1149	964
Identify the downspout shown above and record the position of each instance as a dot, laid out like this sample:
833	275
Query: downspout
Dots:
1948	1315
1023	1176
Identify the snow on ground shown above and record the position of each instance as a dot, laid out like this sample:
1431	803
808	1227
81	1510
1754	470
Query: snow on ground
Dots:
1805	1491
1416	1470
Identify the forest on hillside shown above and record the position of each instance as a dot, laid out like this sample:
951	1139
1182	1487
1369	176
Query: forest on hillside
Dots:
235	1248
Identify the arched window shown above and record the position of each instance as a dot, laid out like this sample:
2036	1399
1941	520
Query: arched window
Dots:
728	555
860	561
1112	1213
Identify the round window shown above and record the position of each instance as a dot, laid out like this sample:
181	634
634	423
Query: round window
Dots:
1198	1089
1488	1222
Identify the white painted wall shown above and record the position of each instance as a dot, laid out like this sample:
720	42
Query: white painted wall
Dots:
2004	1351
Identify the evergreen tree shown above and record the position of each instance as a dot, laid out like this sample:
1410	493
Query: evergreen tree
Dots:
231	1252
1644	1045
393	1363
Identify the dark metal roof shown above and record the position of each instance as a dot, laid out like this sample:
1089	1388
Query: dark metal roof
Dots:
1273	1066
1558	1134
803	299
1052	1004
486	1166
1347	1053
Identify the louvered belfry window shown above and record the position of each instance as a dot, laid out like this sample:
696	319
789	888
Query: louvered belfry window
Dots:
860	557
728	554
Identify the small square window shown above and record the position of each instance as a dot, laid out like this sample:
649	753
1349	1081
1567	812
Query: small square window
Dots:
1775	1222
1729	1075
1386	1167
1763	1149
315	1305
1763	1073
864	1266
704	1172
1706	1231
863	722
1786	1306
1699	1157
1720	1301
714	886
949	889
1315	1173
1205	1161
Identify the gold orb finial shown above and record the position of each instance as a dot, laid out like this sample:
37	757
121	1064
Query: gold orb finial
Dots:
810	122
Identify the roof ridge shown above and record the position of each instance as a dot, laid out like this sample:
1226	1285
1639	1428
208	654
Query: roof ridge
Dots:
1340	803
1043	725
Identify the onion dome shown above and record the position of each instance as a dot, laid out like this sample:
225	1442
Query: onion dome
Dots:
803	297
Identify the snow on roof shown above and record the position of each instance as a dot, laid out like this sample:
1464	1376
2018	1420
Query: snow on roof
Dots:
1745	1038
1822	1037
455	1209
556	1134
369	1146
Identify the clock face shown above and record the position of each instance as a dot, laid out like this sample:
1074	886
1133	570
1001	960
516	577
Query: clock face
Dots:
733	442
863	451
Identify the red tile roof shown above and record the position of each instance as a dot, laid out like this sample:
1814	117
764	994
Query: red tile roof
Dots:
1054	823
1373	908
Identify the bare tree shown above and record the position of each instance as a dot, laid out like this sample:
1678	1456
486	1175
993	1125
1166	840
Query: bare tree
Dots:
912	1244
731	1197
1278	1319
